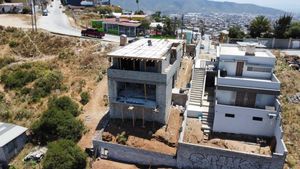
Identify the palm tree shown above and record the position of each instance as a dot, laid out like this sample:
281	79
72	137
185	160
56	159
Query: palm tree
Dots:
138	5
259	26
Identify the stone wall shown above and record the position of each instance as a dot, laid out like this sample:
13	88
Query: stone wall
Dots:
202	157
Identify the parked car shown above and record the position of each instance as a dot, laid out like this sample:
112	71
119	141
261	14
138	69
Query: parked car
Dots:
92	33
45	12
201	46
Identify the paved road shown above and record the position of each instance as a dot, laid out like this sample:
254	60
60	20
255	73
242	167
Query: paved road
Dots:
57	21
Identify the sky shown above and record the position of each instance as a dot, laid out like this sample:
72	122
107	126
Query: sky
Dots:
286	5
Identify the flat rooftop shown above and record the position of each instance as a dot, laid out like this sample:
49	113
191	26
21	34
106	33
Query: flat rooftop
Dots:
142	50
8	132
236	50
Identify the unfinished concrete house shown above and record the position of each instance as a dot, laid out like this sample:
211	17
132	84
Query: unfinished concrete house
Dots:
141	79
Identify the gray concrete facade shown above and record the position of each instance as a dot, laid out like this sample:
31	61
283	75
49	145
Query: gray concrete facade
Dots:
162	76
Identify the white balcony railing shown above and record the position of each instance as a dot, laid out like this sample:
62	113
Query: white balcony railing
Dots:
245	82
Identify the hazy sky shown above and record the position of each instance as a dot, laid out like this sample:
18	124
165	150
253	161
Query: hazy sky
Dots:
286	5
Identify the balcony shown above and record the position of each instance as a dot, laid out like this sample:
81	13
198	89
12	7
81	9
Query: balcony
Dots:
137	76
274	109
271	84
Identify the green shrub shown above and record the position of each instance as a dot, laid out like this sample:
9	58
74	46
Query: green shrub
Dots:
26	10
13	44
5	114
44	85
64	103
18	78
85	98
23	114
64	154
5	61
100	77
2	97
121	138
57	124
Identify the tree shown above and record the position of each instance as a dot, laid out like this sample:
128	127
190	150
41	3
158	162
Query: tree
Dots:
294	30
168	30
158	28
64	103
138	4
282	25
64	154
236	32
157	16
259	26
139	12
85	98
57	124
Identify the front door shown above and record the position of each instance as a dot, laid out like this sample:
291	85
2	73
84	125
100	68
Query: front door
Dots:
239	69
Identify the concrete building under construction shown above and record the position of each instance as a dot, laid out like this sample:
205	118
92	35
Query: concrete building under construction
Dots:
141	79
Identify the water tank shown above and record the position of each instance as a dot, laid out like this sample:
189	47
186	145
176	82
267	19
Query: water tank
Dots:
223	73
123	40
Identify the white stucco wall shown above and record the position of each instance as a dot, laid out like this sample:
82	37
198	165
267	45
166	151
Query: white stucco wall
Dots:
242	123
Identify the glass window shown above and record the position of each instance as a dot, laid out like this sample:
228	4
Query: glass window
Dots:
257	118
229	115
259	69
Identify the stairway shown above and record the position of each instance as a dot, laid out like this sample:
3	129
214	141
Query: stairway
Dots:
207	118
197	87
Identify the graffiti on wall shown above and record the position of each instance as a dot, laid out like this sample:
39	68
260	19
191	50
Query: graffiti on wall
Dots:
208	161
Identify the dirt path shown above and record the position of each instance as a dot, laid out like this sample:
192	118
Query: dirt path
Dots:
185	72
15	20
93	112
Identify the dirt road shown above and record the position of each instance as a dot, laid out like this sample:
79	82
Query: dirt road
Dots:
15	20
93	112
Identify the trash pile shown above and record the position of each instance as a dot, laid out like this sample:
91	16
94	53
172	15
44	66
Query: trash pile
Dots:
36	155
295	98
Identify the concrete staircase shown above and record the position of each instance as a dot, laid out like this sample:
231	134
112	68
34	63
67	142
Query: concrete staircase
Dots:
197	87
207	118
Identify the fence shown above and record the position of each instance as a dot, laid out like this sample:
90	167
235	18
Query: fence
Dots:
271	43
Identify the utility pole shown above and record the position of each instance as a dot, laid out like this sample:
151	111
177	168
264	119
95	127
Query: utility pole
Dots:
34	15
182	24
32	20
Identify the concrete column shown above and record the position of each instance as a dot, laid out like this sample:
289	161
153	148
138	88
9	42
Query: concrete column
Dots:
273	42
290	43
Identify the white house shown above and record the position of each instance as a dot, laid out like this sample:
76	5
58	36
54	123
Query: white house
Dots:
246	91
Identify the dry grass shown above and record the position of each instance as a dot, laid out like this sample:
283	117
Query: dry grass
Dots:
81	63
290	84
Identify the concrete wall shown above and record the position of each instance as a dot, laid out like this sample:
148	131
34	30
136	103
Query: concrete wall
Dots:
191	156
12	148
133	155
272	43
243	123
179	98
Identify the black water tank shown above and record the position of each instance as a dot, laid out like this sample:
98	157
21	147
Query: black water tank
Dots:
223	73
